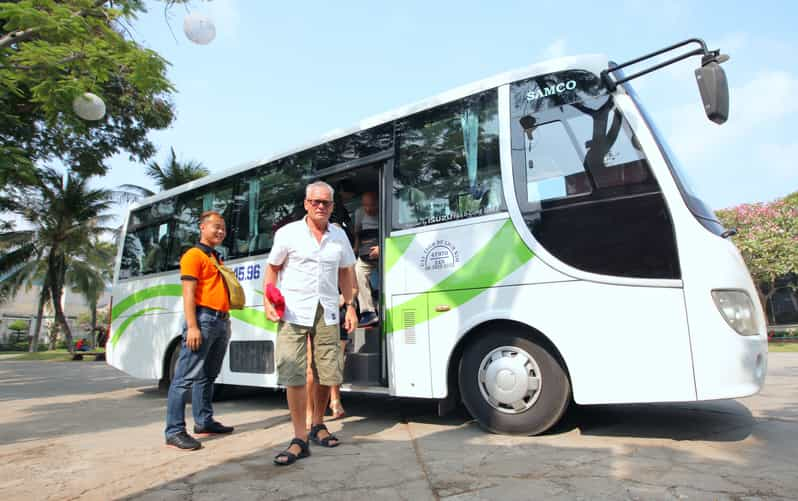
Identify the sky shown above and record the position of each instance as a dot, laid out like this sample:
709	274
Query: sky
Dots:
282	74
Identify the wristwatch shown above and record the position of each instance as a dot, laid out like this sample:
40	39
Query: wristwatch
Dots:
350	303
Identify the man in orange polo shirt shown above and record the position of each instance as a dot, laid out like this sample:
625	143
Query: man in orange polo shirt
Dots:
206	333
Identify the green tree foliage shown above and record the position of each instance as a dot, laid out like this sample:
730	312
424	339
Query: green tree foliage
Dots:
174	173
767	236
18	325
167	176
89	270
67	218
52	51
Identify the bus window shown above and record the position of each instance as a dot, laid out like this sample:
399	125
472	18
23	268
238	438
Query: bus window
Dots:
245	216
132	253
271	199
145	251
220	199
552	172
185	227
448	163
353	146
587	192
184	230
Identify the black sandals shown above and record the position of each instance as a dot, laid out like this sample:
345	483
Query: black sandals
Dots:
313	436
290	457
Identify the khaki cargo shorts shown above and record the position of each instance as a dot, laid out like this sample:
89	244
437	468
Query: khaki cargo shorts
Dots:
292	352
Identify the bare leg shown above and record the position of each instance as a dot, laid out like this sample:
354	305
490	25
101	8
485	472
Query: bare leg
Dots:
322	394
297	404
335	392
322	397
309	385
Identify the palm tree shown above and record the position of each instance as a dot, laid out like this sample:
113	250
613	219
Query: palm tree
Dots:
89	271
172	174
64	213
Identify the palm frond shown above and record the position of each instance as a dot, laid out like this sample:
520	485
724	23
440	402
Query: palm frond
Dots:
23	275
11	260
129	193
174	172
16	238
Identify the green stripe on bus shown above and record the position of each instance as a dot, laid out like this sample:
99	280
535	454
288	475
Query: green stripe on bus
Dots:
255	317
395	248
502	255
144	294
129	320
251	316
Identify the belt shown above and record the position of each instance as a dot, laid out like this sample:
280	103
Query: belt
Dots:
216	313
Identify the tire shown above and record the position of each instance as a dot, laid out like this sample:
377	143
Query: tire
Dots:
220	391
173	363
169	369
491	376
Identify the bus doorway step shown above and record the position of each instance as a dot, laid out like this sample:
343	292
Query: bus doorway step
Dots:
362	368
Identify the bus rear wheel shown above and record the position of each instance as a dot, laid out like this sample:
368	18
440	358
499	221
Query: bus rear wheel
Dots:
219	390
511	384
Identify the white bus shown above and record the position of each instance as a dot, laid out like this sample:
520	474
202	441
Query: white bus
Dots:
540	246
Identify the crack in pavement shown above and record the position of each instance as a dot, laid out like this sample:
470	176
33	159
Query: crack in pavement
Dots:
419	458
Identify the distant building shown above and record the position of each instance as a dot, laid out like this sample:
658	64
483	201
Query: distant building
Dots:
25	304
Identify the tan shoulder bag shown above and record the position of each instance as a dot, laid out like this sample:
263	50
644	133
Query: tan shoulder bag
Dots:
235	293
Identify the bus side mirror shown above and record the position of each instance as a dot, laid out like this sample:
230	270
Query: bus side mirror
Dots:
714	89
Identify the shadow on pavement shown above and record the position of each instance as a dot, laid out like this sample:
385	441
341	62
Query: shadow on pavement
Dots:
399	449
712	421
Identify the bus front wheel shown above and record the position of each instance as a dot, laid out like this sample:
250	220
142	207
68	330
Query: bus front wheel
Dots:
218	389
511	384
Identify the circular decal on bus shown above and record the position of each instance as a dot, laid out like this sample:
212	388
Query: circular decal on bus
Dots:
439	255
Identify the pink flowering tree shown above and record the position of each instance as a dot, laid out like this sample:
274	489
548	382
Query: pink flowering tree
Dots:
767	236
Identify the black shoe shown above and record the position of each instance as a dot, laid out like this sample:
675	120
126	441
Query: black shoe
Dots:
184	441
214	428
368	318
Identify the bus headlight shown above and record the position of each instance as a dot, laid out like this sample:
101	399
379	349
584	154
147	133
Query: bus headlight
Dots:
738	310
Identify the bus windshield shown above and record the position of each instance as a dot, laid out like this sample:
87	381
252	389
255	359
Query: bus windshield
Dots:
577	163
694	202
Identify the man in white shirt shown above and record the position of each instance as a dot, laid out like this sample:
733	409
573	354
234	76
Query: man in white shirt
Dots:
311	259
368	252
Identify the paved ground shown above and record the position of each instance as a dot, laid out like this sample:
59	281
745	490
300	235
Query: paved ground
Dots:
83	430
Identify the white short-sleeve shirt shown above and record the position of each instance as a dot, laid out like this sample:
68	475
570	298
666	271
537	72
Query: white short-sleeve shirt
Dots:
309	273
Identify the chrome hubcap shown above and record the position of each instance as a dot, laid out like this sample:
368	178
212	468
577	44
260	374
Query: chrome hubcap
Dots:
509	379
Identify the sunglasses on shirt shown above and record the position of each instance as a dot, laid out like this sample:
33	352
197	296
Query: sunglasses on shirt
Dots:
323	203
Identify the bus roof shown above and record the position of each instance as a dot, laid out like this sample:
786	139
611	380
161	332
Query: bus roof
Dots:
589	62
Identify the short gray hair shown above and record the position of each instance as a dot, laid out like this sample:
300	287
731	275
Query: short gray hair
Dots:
319	184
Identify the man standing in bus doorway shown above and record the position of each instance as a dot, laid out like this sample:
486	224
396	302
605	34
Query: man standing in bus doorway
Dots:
368	253
206	332
311	257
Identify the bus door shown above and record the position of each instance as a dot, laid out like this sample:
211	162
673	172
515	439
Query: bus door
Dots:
358	186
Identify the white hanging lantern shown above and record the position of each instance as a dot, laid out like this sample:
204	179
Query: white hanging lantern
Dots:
89	106
199	28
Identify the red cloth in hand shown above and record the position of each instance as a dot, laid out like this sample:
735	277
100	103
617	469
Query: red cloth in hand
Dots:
275	297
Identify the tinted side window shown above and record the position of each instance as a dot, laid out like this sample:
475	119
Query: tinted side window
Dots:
185	226
275	196
448	163
585	186
144	252
353	146
146	244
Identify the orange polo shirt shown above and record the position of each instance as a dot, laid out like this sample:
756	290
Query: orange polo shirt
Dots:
197	265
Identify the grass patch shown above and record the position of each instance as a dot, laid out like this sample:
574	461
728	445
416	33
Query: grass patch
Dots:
51	355
783	347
